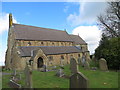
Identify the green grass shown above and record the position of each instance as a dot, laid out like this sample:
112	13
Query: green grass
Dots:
97	79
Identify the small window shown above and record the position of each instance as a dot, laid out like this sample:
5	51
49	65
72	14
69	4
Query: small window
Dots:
50	58
52	43
29	43
61	43
62	57
78	55
30	62
42	43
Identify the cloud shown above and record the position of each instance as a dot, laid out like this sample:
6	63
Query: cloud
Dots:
88	12
4	22
4	25
91	34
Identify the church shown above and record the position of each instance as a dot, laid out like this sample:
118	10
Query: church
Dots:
41	46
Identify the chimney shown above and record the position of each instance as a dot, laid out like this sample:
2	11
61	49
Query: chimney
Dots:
10	20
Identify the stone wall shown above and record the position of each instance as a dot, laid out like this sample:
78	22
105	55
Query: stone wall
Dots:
10	45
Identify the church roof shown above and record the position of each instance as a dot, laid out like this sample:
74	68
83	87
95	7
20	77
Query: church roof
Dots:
26	32
77	39
49	50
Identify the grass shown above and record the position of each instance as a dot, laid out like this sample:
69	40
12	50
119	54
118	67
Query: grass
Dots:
97	79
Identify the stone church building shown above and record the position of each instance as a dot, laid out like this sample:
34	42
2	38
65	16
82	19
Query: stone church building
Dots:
41	46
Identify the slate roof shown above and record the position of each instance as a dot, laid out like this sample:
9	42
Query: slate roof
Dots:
49	50
77	39
26	32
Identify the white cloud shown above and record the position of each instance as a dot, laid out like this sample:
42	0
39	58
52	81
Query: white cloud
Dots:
4	25
4	22
91	34
88	12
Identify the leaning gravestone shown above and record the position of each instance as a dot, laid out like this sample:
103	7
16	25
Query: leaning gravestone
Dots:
78	80
73	66
28	75
103	64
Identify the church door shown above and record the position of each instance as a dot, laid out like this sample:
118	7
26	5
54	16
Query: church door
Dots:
40	62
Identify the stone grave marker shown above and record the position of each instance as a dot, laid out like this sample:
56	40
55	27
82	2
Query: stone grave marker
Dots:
87	66
14	72
28	75
73	66
60	73
78	80
103	64
79	61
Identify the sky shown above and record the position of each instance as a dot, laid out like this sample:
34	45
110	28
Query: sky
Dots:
74	17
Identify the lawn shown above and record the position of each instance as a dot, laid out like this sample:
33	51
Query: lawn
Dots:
97	79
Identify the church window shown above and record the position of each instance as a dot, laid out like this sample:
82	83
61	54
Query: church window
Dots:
42	43
62	57
29	43
50	58
52	43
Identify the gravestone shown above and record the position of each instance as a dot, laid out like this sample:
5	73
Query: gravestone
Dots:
103	64
78	80
73	66
28	75
14	72
60	73
79	61
87	66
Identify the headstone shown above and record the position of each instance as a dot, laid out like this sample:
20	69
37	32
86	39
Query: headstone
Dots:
14	72
103	64
73	66
79	61
28	75
78	80
60	73
87	66
83	60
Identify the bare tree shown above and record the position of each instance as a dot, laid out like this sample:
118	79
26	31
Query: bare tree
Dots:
110	21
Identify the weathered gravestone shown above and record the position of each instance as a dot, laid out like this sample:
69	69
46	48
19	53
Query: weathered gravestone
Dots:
78	80
79	61
60	73
28	75
103	64
87	66
14	72
73	66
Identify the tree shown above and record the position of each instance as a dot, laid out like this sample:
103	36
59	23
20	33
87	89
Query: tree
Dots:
110	22
109	44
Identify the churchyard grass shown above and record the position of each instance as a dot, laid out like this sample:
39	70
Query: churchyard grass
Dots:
97	79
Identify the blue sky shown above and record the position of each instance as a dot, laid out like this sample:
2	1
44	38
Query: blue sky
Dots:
74	17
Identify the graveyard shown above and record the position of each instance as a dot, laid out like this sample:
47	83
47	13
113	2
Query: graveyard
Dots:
96	78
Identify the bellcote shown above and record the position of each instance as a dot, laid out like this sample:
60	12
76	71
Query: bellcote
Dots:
10	20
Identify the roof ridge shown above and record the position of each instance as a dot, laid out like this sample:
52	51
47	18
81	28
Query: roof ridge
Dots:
38	27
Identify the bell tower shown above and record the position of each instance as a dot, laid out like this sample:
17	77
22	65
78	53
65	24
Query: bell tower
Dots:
10	20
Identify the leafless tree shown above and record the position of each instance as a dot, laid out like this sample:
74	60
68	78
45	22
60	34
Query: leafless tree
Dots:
110	21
